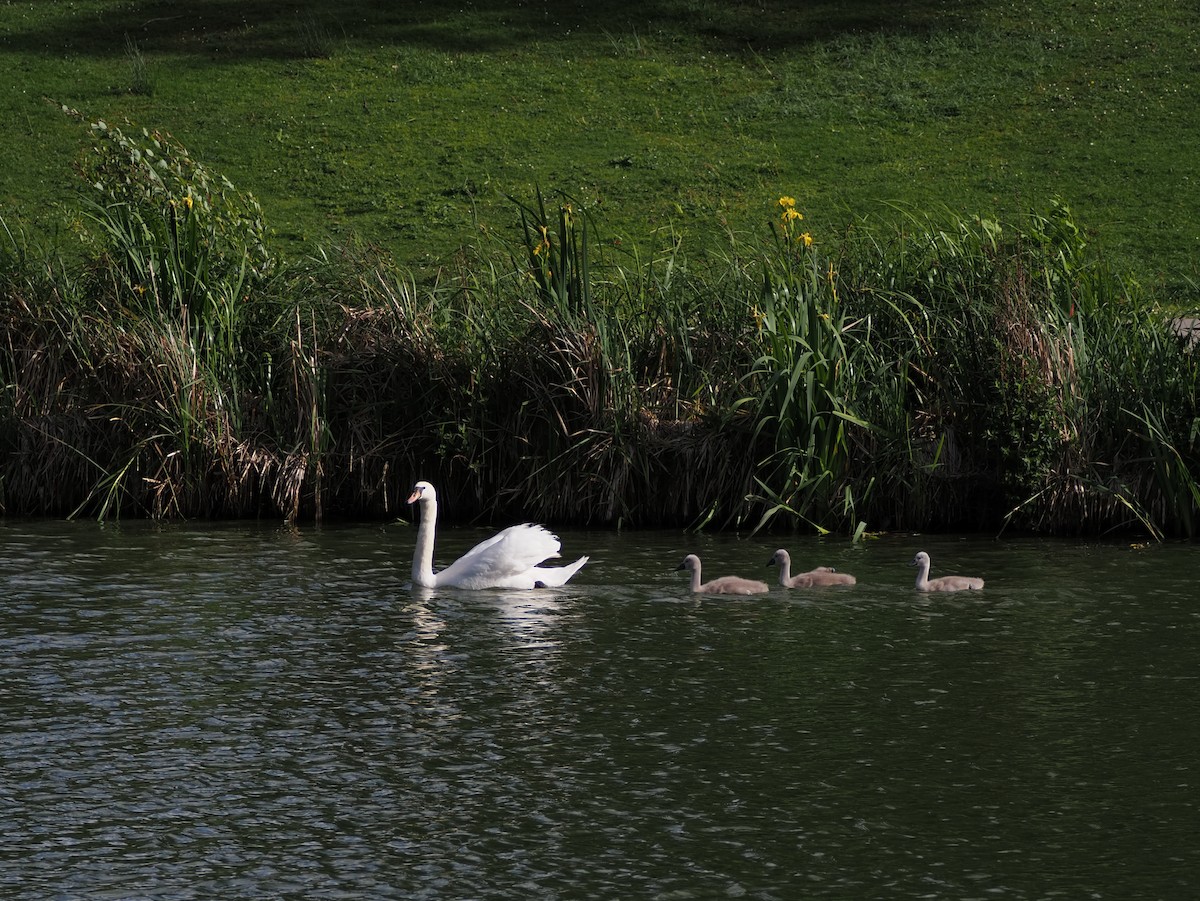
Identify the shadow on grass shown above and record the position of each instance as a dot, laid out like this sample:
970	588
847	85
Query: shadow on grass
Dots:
307	28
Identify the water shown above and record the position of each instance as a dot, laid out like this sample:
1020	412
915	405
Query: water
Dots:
249	712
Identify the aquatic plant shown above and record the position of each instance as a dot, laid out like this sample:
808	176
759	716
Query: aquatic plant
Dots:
801	385
948	373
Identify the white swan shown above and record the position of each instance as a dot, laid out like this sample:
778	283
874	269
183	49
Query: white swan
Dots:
723	585
508	559
944	583
821	576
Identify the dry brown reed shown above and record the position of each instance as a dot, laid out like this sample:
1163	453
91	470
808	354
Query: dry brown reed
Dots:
949	377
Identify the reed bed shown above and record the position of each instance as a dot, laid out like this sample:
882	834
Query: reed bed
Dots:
947	373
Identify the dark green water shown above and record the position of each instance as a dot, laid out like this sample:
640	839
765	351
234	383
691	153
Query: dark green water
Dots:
248	712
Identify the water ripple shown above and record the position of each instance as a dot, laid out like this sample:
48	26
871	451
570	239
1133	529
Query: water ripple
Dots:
239	712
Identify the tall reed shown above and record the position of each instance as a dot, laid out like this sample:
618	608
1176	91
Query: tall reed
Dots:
802	383
156	331
614	370
921	372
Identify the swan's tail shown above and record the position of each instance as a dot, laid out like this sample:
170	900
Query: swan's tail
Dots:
553	576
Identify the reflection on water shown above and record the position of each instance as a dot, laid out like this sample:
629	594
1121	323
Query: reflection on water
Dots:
232	711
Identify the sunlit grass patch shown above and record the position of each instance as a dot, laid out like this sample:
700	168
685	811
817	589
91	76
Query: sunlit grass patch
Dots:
371	120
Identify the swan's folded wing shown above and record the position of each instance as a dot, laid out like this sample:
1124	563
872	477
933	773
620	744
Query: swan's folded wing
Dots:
555	576
506	554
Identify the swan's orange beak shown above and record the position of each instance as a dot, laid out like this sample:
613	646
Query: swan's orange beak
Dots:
415	496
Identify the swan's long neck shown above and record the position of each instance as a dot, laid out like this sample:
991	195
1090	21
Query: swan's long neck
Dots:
785	570
422	568
696	575
922	574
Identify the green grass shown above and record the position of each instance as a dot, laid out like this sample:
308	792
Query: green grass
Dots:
945	372
509	245
411	124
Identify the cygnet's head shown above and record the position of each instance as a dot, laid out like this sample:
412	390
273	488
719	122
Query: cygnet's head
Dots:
779	558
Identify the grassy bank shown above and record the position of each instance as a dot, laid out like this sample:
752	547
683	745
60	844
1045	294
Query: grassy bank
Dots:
408	125
930	371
